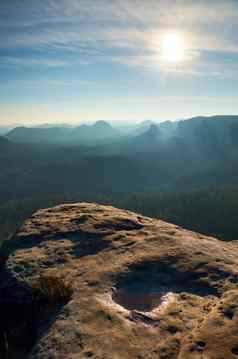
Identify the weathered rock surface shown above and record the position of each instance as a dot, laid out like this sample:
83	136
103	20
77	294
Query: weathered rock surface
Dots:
90	281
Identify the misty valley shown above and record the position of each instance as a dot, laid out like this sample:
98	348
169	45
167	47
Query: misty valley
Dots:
184	172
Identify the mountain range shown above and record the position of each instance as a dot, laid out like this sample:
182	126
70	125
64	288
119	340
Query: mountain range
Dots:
166	156
153	172
199	134
100	132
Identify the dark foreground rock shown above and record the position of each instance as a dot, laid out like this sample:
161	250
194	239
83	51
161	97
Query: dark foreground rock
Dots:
89	281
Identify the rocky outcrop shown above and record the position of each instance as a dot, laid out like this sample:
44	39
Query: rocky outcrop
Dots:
90	281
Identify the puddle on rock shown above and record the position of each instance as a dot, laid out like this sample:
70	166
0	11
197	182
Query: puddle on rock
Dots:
140	300
151	285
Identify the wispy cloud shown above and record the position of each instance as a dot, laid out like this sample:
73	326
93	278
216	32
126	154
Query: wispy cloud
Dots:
55	83
150	12
90	29
26	62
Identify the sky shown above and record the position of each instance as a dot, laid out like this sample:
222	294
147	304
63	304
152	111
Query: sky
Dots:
74	61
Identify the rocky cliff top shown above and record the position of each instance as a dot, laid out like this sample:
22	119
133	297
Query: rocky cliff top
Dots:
90	281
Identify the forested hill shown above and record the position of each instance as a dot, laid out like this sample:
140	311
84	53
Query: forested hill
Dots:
184	172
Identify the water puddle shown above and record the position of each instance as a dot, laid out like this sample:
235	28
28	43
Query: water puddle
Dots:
141	301
148	286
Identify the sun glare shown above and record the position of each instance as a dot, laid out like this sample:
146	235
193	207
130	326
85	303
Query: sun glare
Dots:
173	47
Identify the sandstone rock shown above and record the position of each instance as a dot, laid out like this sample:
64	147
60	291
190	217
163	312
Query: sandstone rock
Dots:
89	281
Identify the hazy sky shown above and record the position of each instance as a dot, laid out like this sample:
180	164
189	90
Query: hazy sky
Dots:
88	60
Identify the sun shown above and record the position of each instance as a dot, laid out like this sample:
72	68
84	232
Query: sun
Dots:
173	47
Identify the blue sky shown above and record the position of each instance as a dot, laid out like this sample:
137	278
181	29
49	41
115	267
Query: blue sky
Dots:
88	60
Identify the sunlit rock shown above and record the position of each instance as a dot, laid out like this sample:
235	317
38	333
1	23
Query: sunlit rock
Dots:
85	280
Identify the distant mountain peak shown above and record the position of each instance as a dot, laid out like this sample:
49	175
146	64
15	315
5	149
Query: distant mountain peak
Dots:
153	130
150	137
102	124
81	126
